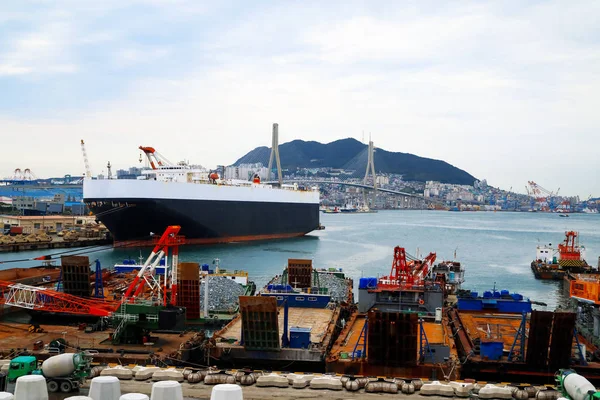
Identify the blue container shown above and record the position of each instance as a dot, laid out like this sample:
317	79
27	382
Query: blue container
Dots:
451	276
487	294
367	283
504	293
299	337
205	267
491	350
474	294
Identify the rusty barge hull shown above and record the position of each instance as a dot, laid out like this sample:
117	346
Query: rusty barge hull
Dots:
393	347
547	347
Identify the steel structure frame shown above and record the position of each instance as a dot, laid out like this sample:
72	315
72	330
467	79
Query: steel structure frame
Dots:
42	299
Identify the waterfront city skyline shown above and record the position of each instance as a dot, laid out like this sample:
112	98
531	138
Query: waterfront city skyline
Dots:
505	91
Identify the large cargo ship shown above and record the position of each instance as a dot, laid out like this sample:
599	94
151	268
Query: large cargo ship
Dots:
208	208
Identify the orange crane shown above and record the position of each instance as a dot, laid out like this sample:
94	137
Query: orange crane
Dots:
422	268
403	273
569	249
43	299
154	157
145	277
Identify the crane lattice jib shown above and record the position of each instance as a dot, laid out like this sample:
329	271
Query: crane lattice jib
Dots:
400	271
43	299
88	172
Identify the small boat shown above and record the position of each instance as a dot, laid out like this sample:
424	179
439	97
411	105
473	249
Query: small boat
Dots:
553	264
563	215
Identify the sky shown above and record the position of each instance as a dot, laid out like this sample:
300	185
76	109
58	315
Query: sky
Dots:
507	90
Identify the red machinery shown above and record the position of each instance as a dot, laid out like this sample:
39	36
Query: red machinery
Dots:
42	299
569	249
146	275
154	157
405	274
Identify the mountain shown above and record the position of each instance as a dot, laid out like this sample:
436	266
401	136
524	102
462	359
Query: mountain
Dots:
350	154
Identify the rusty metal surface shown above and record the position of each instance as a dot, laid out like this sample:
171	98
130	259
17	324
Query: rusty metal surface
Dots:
76	275
260	325
540	328
299	272
562	339
458	331
188	295
392	338
188	271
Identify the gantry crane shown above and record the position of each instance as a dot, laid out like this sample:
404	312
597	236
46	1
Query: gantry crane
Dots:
542	195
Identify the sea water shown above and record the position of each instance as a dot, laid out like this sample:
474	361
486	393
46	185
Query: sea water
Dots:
496	248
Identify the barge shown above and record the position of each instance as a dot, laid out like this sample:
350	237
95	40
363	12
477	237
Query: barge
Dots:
295	319
399	328
499	337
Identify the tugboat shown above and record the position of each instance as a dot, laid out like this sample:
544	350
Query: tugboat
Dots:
554	264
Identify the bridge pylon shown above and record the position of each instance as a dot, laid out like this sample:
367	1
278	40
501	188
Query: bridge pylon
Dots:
371	168
275	154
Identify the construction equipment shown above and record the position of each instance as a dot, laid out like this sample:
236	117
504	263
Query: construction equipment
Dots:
65	372
146	275
407	273
88	172
42	299
36	329
574	386
544	197
155	158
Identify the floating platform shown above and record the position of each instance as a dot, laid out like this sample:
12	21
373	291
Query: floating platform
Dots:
263	348
503	347
348	355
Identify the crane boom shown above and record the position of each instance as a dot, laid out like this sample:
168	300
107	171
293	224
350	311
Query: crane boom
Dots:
146	274
88	172
154	157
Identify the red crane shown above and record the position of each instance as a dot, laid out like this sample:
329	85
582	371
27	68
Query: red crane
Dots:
569	249
400	273
421	271
43	299
154	157
146	274
406	273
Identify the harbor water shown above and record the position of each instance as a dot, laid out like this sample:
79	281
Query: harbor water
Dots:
496	248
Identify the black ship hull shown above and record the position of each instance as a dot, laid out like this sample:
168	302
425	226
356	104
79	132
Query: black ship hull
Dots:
204	221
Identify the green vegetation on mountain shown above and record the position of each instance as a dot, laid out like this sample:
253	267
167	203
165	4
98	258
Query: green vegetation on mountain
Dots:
350	154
